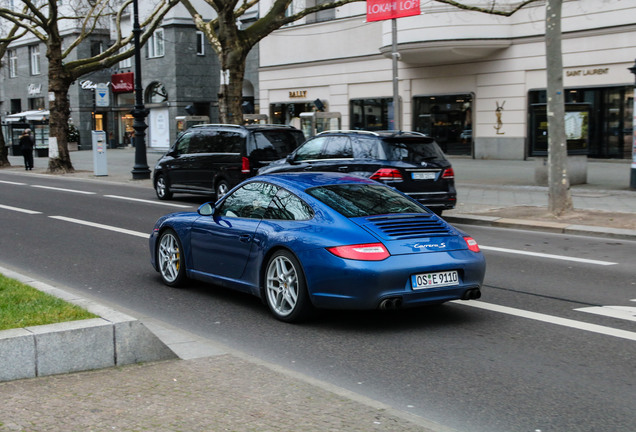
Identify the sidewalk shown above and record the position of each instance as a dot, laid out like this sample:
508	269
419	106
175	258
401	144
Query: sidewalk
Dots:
212	388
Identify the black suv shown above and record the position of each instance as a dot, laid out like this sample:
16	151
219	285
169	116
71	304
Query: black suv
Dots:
408	161
213	158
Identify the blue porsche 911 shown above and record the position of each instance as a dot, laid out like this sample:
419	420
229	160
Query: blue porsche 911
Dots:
302	241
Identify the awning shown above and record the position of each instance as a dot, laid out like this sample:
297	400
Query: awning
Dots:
27	116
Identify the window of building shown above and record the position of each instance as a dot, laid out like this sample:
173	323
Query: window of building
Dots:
370	114
16	106
156	93
200	43
325	15
96	48
13	63
34	55
125	63
155	44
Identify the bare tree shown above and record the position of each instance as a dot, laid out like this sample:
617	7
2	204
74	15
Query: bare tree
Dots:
232	44
11	36
44	20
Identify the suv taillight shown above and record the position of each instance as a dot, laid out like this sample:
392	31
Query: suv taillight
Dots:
448	174
387	174
245	166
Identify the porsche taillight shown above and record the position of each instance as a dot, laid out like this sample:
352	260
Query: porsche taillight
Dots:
472	244
361	252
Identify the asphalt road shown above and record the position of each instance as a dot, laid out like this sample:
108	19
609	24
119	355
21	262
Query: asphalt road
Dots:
523	358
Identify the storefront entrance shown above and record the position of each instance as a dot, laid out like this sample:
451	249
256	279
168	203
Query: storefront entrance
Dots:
448	119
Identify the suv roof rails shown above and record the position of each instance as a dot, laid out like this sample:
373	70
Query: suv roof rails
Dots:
401	132
255	125
216	124
350	131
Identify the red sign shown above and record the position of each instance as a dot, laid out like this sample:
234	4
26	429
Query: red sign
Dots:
123	82
378	10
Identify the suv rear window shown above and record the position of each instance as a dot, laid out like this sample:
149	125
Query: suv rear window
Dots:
276	144
354	200
413	151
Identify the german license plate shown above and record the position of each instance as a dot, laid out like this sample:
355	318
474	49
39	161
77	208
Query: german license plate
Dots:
423	176
434	280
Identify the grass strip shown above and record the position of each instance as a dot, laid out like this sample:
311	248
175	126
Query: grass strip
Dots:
23	306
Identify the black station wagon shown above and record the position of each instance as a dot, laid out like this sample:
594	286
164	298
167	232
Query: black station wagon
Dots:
410	162
213	158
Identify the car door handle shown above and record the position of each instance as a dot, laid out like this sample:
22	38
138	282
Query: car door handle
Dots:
344	168
245	238
308	168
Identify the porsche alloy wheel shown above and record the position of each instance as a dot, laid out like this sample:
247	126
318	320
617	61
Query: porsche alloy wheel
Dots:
170	259
285	288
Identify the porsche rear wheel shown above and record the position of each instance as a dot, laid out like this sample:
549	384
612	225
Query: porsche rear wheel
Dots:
286	289
170	259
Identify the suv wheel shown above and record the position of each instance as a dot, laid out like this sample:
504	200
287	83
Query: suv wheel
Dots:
161	188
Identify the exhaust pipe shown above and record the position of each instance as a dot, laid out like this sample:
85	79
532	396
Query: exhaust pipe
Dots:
390	303
471	294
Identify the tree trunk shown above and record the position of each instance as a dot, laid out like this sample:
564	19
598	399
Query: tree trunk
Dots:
231	91
559	197
4	152
60	108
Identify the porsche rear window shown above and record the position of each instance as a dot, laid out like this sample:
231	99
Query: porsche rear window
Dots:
360	200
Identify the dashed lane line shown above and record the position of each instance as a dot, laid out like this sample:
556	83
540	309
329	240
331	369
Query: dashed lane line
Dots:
102	226
148	201
20	210
64	190
544	255
565	322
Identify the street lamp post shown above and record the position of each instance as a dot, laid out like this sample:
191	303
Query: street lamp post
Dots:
632	180
140	170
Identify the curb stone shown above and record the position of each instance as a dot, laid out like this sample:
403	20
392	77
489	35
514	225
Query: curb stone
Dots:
114	339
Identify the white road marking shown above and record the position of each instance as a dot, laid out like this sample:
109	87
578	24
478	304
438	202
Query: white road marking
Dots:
147	201
12	183
551	256
64	190
620	312
608	331
102	226
21	210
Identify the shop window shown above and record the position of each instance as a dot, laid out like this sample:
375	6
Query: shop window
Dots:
448	119
607	132
288	113
370	114
36	103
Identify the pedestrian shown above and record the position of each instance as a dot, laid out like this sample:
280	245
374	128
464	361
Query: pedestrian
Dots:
26	145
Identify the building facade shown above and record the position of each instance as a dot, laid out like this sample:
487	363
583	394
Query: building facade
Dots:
476	82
